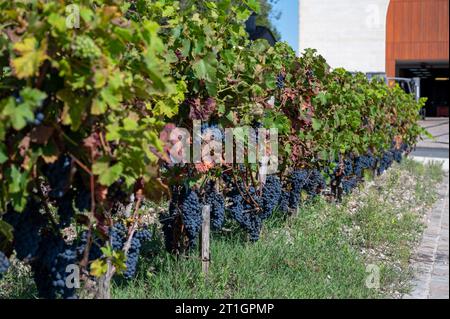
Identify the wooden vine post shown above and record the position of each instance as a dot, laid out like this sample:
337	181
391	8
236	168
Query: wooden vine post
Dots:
205	238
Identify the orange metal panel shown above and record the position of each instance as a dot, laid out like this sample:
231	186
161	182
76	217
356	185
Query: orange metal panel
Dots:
416	30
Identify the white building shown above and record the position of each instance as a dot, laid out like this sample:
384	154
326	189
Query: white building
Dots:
348	33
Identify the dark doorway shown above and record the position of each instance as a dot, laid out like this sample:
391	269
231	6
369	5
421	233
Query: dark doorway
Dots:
434	82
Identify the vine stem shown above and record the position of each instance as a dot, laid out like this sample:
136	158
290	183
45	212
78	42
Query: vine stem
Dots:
85	259
133	228
104	283
244	197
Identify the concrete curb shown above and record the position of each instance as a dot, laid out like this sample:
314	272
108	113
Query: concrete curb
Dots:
428	160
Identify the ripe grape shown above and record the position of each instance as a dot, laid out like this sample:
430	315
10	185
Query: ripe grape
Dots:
315	182
4	263
244	212
348	167
364	162
216	202
27	227
58	175
283	205
191	214
297	181
68	256
119	235
280	81
348	184
132	258
385	161
83	200
65	208
270	196
39	117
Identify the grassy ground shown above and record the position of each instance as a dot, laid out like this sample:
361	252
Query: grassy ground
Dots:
321	253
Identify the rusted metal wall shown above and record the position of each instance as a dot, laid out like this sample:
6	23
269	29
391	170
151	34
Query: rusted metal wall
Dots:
416	30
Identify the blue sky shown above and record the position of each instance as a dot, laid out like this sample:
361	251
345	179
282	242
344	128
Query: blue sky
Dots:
288	23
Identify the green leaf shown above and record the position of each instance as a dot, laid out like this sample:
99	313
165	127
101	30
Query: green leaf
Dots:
17	180
206	68
107	174
6	230
322	98
107	251
18	115
110	97
253	5
316	124
57	21
74	106
186	47
3	157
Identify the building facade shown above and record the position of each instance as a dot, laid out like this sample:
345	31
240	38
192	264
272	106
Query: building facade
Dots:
398	38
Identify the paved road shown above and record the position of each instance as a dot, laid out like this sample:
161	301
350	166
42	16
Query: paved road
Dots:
431	259
436	149
439	128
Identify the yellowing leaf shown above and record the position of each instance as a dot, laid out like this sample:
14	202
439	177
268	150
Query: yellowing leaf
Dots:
98	106
30	59
99	267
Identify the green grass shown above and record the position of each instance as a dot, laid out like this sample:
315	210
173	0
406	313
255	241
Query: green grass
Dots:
322	252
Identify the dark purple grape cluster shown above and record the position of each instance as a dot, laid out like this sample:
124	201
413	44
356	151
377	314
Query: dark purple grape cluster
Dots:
191	213
141	236
297	181
44	248
50	267
132	258
283	205
309	180
65	208
385	162
38	118
270	196
397	155
216	201
315	182
58	176
4	264
243	211
59	272
348	167
27	228
280	81
118	235
83	200
252	209
364	162
348	184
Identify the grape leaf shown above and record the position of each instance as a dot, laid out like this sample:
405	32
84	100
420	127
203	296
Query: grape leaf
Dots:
30	57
